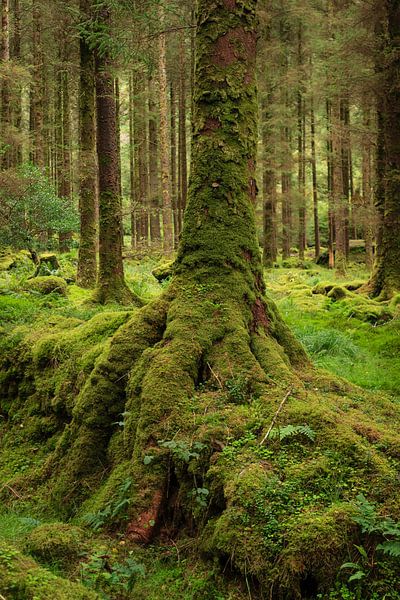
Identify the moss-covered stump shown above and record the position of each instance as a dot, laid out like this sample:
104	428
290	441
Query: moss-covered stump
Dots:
23	579
47	265
47	285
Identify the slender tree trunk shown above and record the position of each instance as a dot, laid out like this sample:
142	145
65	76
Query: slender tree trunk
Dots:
154	182
174	177
183	171
317	243
37	89
17	104
118	115
301	149
88	202
286	183
331	206
338	194
64	163
132	179
367	193
141	172
168	241
346	158
6	154
111	282
269	187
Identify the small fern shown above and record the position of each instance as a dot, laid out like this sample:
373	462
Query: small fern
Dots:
289	431
390	548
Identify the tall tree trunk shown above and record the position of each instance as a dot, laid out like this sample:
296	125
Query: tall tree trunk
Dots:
168	241
37	89
6	151
88	202
386	277
182	132
301	148
269	186
174	173
111	282
154	182
64	162
17	103
317	242
331	205
141	162
339	200
132	178
346	169
367	194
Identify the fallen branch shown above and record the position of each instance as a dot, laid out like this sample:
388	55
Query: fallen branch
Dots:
10	489
276	416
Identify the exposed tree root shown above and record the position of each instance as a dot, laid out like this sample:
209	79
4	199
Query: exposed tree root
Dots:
198	366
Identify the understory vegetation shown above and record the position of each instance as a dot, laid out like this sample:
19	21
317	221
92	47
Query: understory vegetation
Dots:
294	499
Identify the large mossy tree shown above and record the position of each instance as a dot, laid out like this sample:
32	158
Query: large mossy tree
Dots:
386	276
170	427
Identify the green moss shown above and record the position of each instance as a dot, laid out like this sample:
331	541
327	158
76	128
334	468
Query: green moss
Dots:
47	285
163	271
57	543
22	579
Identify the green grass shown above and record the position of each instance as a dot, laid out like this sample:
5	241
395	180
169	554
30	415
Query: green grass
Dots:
364	353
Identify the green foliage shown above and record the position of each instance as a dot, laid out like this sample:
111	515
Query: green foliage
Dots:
115	508
108	577
183	451
288	431
29	208
373	524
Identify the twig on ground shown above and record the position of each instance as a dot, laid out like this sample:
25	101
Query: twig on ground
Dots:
276	416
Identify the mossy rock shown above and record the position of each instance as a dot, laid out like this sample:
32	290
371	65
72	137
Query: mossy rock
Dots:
57	543
337	293
323	288
13	260
23	579
47	285
48	265
353	286
163	271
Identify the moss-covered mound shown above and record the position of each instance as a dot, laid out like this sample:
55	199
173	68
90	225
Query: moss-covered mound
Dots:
47	285
23	579
58	543
280	508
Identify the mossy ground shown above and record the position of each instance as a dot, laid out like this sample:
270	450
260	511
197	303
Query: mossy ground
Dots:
279	514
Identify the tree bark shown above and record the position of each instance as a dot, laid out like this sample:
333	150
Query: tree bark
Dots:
386	276
183	171
37	89
111	282
6	151
154	182
168	241
317	242
88	201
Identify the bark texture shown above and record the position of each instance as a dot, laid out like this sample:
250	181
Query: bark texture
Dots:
88	202
111	282
386	277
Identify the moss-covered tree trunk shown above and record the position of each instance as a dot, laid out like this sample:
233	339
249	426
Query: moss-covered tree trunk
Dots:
111	282
213	320
87	261
386	276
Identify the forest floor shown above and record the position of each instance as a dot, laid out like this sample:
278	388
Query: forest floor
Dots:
350	337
